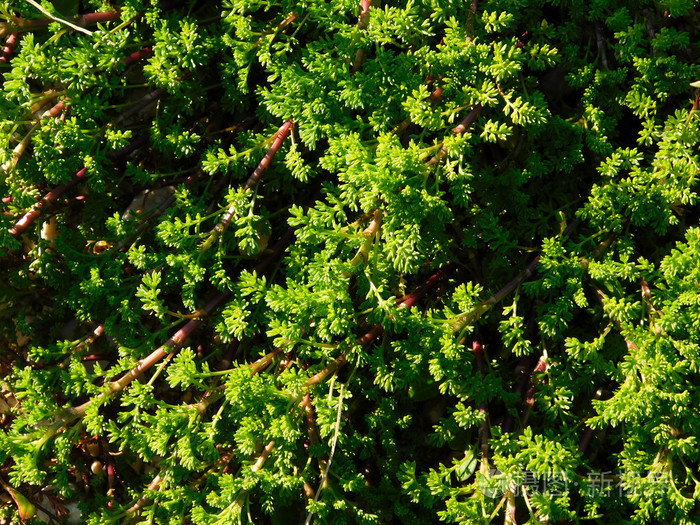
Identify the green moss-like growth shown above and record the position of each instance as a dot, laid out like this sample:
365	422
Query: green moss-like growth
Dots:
350	262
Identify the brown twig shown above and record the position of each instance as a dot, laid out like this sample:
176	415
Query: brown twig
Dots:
463	126
263	456
137	55
167	348
253	180
48	199
362	23
9	48
22	25
407	302
529	402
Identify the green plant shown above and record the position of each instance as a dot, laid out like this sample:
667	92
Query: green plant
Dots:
347	262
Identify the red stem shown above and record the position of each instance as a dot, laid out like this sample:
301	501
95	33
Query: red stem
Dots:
365	5
282	134
408	301
170	346
262	363
461	128
435	95
136	56
483	406
22	25
362	23
145	101
90	19
49	198
223	224
479	357
93	357
468	120
55	111
9	48
530	395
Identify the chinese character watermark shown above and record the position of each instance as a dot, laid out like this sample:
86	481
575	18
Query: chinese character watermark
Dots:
495	483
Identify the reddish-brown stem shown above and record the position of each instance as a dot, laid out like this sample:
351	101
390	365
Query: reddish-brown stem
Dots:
540	367
88	340
175	341
55	111
136	56
470	20
310	418
484	306
91	19
144	102
153	485
461	128
128	149
378	329
49	198
170	346
312	430
409	300
333	366
483	407
262	363
9	48
362	23
93	357
370	233
111	470
22	25
275	251
223	224
479	357
468	120
521	373
231	350
291	18
263	456
525	380
282	134
433	97
530	394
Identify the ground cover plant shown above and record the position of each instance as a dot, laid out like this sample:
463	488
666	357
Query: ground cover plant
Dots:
349	261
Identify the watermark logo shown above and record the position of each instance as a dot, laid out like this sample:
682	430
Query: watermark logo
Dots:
494	484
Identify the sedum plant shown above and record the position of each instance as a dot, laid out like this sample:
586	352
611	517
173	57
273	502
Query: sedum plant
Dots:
349	261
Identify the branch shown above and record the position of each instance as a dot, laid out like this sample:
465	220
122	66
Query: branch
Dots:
223	224
330	456
49	198
9	48
169	347
60	20
484	306
137	55
263	457
362	23
407	302
460	129
22	25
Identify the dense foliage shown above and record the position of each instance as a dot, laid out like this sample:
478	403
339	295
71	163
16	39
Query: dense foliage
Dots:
350	262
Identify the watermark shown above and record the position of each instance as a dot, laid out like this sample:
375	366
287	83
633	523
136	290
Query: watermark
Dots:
496	483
